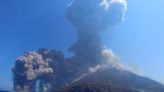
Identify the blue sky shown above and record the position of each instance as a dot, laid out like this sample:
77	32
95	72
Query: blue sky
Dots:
32	24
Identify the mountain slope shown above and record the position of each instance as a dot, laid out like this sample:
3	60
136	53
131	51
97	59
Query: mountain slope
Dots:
114	80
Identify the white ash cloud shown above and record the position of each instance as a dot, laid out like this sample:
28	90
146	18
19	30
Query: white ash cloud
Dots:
110	60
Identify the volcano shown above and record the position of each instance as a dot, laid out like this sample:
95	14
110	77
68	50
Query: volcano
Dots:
114	80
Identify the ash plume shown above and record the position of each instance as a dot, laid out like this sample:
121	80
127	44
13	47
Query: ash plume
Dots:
27	69
96	15
110	60
90	18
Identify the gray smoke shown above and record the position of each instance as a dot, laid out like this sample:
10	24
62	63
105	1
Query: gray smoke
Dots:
29	68
96	15
90	17
110	60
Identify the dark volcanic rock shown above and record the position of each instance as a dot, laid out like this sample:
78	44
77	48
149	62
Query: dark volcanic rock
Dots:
114	80
94	87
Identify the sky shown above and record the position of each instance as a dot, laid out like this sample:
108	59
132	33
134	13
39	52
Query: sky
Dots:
33	24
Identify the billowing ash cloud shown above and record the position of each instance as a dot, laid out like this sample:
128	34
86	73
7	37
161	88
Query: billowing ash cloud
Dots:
28	68
110	60
96	15
90	17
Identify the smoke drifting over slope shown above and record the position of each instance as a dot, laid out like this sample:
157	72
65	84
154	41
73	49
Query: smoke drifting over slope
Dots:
109	60
90	17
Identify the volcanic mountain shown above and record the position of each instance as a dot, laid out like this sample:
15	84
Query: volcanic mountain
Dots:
114	80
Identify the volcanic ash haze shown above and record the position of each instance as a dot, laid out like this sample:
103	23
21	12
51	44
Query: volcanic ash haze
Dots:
90	17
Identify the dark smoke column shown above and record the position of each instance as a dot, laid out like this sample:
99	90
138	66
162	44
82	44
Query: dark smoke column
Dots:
90	17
